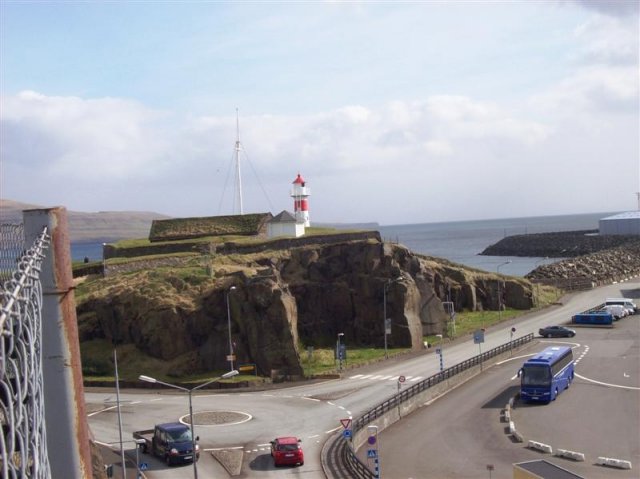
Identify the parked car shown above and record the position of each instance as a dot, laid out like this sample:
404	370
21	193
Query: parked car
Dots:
287	451
618	311
556	332
627	303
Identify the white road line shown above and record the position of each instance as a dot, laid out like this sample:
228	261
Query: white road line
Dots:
632	388
331	431
209	449
310	399
356	376
417	378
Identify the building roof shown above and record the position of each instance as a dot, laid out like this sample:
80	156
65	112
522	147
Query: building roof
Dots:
547	470
283	217
623	216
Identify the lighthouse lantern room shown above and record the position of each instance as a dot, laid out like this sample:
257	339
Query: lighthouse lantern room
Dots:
300	192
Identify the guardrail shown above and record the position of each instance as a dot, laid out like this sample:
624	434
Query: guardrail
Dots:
343	451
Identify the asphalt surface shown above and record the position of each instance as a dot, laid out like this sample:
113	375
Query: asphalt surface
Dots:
461	434
313	410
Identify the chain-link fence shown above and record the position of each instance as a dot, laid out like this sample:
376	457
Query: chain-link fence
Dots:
23	444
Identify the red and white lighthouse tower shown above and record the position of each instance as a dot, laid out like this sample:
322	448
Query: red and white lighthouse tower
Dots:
300	193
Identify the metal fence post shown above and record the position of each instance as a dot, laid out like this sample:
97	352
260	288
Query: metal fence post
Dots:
65	415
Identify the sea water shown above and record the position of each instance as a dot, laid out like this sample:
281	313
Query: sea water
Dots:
463	241
459	241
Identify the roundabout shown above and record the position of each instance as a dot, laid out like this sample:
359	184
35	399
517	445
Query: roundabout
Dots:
216	418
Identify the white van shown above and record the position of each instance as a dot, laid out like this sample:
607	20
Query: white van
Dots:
627	303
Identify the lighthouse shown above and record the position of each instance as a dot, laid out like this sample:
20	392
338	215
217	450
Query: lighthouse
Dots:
300	193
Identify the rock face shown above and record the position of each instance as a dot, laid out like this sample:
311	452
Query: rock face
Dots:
284	299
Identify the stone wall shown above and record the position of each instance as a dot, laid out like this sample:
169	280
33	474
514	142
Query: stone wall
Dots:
603	267
566	244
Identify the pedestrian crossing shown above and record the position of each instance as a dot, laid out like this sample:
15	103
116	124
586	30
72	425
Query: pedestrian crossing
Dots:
379	377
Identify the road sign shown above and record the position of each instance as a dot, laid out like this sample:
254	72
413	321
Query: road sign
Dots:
371	440
346	423
372	453
231	357
478	336
346	433
143	466
401	379
438	350
387	326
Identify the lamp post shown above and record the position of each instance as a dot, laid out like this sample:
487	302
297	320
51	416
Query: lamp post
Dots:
339	352
189	392
386	321
230	358
500	292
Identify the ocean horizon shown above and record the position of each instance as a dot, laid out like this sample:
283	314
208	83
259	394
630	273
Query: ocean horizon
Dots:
457	241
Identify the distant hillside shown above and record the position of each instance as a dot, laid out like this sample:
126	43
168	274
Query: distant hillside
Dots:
87	227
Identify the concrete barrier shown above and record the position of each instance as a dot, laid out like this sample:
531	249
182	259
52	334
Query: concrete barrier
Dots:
540	446
512	427
506	415
517	436
576	456
609	461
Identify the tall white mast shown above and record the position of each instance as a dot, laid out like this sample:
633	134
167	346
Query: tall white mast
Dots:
238	177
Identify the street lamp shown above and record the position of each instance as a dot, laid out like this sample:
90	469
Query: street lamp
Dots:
339	352
189	392
230	358
500	292
386	321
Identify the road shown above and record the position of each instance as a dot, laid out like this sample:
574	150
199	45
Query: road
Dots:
460	434
312	411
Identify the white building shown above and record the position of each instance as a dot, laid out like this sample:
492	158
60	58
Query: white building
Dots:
620	224
285	224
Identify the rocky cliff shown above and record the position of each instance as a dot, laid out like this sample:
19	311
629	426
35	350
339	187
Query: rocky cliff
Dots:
286	299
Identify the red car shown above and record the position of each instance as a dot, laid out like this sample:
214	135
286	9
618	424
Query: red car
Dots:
287	451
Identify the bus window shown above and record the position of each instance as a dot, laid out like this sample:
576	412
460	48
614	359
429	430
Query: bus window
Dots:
536	376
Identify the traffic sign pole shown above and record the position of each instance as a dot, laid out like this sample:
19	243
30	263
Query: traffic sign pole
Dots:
373	453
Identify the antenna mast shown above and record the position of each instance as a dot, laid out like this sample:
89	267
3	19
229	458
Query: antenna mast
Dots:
238	177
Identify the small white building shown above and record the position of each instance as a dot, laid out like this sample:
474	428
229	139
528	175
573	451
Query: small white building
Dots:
285	224
620	224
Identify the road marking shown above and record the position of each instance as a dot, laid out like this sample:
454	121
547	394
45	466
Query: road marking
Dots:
331	431
310	399
315	435
417	378
632	388
209	449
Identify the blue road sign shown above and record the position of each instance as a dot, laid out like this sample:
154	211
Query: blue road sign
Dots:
372	453
143	466
346	433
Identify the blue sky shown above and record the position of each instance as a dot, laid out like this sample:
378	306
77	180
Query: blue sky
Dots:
395	112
